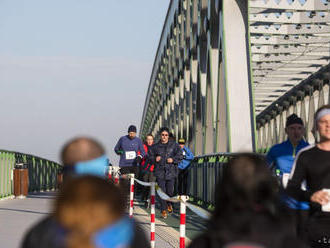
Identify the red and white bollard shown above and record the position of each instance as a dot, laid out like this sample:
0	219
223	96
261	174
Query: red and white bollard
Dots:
110	173
183	220
153	214
131	195
116	176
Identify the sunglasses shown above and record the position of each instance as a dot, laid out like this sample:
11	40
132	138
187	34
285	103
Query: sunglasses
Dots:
164	134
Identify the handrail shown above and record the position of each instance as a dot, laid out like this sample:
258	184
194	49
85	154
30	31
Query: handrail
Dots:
42	172
204	173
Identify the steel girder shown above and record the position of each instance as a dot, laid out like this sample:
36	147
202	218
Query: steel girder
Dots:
222	64
195	89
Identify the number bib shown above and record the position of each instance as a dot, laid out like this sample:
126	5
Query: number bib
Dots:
130	155
326	207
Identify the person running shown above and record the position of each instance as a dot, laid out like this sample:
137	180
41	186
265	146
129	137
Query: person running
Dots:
280	158
165	155
147	169
131	151
312	166
188	156
247	211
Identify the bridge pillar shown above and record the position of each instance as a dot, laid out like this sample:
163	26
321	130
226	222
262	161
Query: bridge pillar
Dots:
240	121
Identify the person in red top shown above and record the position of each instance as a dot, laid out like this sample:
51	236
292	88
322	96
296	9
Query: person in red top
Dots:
147	169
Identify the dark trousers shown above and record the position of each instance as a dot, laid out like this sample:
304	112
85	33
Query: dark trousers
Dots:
183	180
125	183
168	187
147	177
318	232
299	221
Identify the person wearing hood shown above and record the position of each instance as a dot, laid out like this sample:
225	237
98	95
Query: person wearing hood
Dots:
131	152
165	155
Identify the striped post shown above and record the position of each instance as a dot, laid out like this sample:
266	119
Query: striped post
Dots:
110	173
183	221
116	175
131	196
152	215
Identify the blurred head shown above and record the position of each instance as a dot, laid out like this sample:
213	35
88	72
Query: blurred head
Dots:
164	135
84	156
246	185
322	122
149	139
132	131
182	142
87	204
294	129
81	149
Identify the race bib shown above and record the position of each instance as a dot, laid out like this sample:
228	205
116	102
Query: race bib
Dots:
130	155
326	207
285	179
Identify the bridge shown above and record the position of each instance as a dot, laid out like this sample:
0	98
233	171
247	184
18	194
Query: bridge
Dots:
226	75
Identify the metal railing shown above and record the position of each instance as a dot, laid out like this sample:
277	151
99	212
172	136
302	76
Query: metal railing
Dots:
42	172
203	175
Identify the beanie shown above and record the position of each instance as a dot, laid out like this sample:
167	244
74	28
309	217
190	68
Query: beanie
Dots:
132	128
293	119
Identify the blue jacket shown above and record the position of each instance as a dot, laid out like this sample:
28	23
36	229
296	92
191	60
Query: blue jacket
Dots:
188	156
129	149
282	157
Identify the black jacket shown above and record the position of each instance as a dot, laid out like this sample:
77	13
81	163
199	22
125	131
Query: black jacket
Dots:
47	233
164	170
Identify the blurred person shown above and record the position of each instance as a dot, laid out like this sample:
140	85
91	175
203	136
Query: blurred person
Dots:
188	156
91	211
147	169
247	209
79	156
281	158
312	166
131	152
165	155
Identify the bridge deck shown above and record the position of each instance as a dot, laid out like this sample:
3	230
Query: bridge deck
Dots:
17	215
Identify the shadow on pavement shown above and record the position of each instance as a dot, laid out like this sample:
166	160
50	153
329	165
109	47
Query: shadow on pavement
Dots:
23	211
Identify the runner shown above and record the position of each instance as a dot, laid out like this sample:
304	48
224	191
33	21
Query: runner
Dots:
165	155
280	158
147	170
188	156
312	165
128	148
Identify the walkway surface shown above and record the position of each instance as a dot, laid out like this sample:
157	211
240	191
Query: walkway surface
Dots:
17	215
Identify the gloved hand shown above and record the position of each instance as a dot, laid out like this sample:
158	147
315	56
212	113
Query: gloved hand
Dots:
120	152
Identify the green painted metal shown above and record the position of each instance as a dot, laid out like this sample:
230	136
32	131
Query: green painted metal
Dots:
42	172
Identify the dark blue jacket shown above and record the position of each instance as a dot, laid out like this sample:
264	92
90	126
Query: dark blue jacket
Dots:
282	157
127	147
188	156
163	170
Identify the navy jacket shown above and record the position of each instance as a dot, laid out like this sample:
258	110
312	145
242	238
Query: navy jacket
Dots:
164	170
128	149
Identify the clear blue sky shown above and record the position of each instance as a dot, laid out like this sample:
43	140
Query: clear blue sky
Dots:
74	67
